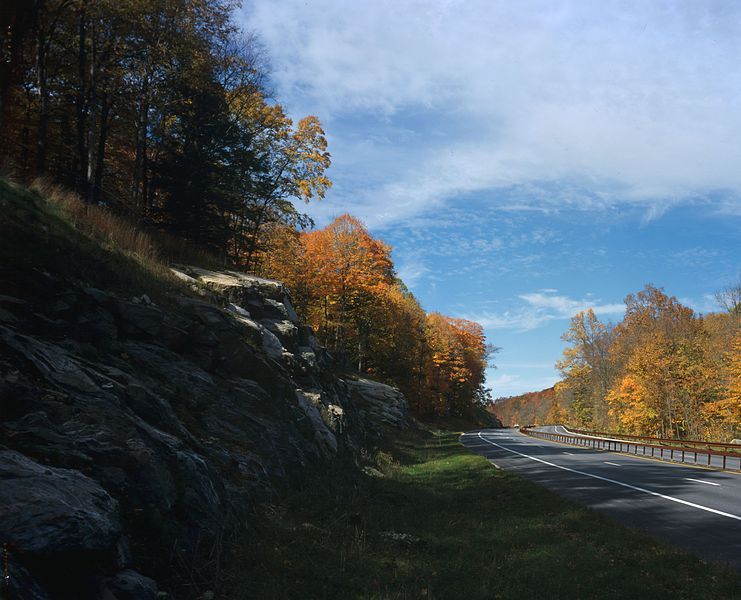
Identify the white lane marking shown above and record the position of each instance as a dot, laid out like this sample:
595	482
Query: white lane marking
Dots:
607	462
701	481
627	485
569	453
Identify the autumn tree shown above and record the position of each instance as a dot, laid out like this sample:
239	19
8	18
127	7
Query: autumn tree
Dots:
663	370
159	109
586	367
344	284
457	363
351	270
729	299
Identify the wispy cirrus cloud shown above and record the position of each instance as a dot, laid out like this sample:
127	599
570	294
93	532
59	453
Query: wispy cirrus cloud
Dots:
707	303
539	105
540	308
412	268
513	384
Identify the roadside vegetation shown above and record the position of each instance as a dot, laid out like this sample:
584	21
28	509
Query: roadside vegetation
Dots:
428	519
663	371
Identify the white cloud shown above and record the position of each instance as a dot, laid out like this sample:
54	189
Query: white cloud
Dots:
512	385
541	308
706	304
412	269
566	307
540	104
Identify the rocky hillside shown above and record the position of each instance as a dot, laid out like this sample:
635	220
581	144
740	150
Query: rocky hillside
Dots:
142	415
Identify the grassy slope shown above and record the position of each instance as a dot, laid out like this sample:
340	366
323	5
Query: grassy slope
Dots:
54	232
472	532
37	233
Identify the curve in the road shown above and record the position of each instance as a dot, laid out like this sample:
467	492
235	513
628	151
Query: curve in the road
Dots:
698	509
622	483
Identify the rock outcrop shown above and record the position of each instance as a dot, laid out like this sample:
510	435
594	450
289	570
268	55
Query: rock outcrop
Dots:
135	436
379	405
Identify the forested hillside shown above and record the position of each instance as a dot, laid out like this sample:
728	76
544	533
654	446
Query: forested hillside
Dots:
663	370
532	408
161	112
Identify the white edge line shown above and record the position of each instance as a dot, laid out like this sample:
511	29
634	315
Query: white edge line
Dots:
701	481
627	485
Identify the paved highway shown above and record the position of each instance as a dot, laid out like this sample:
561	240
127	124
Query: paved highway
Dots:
694	508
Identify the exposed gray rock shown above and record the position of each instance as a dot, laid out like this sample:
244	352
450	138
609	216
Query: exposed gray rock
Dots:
310	403
130	585
172	421
284	330
185	278
236	286
47	511
380	404
271	343
50	360
139	319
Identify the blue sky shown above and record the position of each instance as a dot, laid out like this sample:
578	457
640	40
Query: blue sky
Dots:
526	160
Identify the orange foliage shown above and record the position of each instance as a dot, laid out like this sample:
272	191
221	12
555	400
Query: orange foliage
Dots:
663	370
345	287
533	408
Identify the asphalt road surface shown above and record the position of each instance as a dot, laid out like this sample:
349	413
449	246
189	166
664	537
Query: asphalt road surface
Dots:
695	508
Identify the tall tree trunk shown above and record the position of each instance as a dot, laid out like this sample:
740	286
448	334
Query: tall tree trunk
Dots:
138	176
17	19
93	104
102	138
42	84
81	103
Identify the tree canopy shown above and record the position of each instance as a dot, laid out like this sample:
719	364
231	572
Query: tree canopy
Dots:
346	288
663	370
160	110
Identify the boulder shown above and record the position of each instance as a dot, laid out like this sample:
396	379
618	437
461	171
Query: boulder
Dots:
130	585
380	404
46	511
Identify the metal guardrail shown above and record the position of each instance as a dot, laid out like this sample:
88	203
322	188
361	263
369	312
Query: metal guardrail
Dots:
676	442
730	461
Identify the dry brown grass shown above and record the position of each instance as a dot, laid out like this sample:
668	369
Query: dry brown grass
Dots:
99	223
154	251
